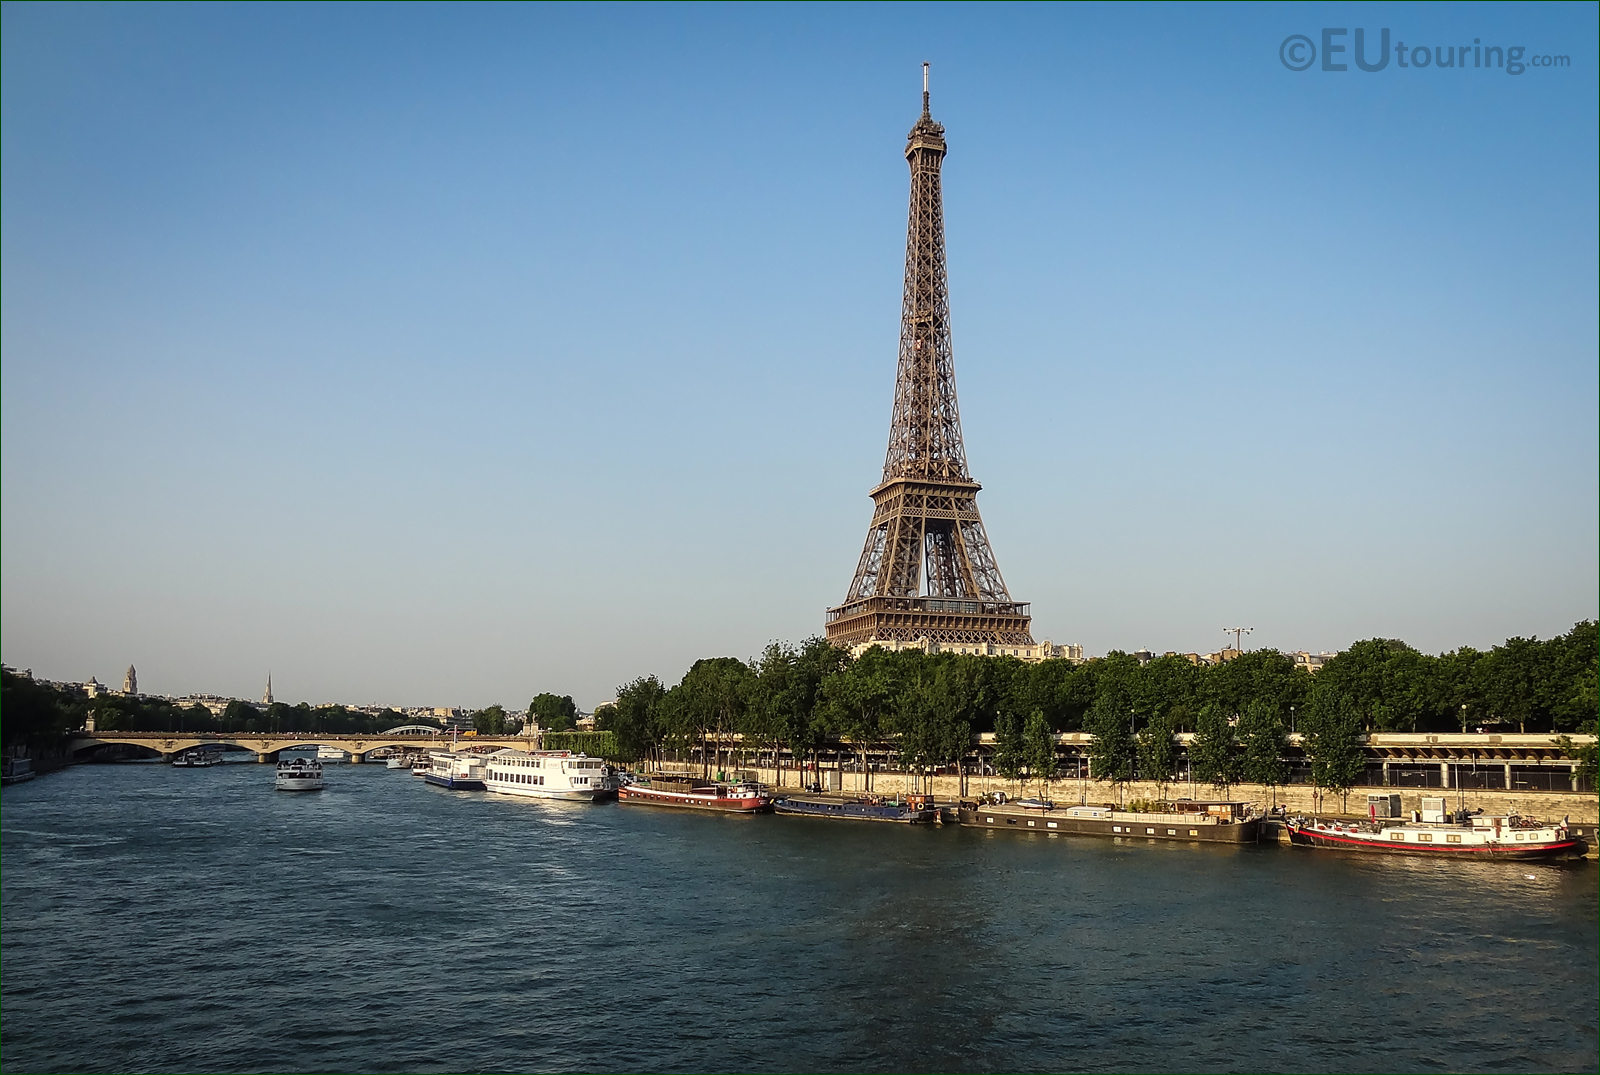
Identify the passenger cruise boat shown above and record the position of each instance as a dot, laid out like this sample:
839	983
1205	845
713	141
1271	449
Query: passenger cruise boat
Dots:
549	774
694	793
300	774
331	754
1462	836
201	758
460	772
912	810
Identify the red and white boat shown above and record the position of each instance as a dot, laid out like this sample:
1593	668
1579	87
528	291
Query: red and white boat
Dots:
694	793
1507	836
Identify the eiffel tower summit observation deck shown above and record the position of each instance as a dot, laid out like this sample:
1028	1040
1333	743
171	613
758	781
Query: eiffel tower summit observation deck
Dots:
927	571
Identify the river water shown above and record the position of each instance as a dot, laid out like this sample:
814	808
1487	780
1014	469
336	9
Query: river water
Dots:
154	919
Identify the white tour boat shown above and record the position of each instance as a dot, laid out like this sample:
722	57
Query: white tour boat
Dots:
300	774
331	754
550	774
200	758
460	772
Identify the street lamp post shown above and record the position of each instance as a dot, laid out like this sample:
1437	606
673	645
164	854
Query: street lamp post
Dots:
1463	718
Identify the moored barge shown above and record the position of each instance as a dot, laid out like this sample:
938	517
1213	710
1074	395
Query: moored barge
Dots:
1507	836
695	793
912	810
1185	820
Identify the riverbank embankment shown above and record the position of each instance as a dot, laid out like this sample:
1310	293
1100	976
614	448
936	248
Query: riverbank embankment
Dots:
1582	808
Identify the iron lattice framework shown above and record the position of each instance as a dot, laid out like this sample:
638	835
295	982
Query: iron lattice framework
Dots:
925	526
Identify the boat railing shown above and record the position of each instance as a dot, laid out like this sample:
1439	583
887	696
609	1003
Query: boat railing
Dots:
1186	818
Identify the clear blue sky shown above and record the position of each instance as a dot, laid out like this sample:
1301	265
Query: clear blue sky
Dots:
450	354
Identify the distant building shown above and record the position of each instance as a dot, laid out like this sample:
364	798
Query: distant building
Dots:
266	699
1043	651
130	682
1311	662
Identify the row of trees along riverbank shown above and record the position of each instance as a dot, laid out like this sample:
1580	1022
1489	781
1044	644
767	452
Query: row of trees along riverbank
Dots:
929	709
40	717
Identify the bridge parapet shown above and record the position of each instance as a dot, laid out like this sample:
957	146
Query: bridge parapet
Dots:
267	745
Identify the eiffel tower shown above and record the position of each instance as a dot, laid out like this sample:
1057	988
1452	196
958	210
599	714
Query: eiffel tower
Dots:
927	570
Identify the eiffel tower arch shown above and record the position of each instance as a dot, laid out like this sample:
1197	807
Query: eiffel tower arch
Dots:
927	569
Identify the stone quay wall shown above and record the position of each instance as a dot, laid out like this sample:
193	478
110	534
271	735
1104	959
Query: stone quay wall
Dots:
1580	807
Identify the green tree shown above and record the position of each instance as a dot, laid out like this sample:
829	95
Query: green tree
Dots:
393	718
635	719
1111	744
596	744
1265	741
855	703
1009	750
928	716
710	704
241	716
1334	742
1158	751
491	721
1572	676
1587	756
1213	752
1040	745
554	713
1390	686
38	717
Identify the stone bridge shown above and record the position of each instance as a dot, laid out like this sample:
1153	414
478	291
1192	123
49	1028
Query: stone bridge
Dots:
267	744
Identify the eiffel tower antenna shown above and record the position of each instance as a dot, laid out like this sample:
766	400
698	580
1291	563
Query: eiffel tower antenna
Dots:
927	570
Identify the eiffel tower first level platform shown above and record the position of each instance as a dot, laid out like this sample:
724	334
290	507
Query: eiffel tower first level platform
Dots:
927	570
938	619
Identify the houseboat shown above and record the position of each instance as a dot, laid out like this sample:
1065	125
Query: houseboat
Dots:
1185	820
1436	832
695	793
909	810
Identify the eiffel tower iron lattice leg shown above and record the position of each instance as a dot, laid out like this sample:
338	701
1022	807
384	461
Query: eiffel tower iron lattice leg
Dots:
927	570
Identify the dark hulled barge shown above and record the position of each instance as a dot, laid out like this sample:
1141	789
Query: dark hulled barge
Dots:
1186	820
912	810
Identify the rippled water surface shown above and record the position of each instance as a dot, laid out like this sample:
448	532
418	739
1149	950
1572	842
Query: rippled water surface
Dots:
197	920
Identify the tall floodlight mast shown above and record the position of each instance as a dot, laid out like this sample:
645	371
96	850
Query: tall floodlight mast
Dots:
927	570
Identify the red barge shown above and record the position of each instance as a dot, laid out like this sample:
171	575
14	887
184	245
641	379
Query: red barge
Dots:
695	793
1433	832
